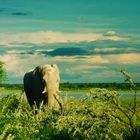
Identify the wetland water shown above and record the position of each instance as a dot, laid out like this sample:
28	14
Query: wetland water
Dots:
123	94
79	94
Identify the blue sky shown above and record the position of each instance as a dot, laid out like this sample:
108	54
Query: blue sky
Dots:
90	40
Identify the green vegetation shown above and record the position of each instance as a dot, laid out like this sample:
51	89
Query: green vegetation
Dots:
99	115
87	86
11	88
3	74
74	86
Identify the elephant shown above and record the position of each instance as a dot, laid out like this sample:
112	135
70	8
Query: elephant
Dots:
41	86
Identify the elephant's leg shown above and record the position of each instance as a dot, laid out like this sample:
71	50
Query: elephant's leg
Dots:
40	99
45	98
30	99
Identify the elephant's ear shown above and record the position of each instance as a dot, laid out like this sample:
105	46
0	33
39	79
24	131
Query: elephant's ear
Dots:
38	71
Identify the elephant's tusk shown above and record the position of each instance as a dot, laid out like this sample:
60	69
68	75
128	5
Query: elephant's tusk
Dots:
44	91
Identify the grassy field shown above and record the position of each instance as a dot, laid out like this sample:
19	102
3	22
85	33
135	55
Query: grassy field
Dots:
5	90
100	115
79	86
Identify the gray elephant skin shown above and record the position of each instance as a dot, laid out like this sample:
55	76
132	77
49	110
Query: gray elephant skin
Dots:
41	86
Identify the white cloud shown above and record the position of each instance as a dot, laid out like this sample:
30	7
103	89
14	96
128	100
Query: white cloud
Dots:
105	49
97	59
53	37
130	58
115	38
115	50
39	51
81	67
86	69
66	58
18	64
111	33
12	51
16	51
12	63
107	73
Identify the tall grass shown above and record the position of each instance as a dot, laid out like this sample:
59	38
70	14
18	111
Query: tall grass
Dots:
99	115
94	117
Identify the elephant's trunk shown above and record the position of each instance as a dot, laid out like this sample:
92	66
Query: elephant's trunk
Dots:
53	99
52	93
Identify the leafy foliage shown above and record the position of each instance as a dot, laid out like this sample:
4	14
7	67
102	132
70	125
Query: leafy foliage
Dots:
99	115
3	74
87	86
95	116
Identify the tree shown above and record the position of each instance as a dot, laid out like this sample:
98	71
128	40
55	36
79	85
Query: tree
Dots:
3	73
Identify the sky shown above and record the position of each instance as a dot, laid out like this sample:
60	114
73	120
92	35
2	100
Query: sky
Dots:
89	40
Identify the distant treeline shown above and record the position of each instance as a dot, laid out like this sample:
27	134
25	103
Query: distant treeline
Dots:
112	86
81	86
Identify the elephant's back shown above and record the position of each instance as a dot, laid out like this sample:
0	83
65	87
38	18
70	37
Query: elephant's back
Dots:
27	76
27	80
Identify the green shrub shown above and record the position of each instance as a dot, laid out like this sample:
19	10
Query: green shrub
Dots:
99	115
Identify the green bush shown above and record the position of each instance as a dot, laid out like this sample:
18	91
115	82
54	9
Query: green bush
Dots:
97	116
